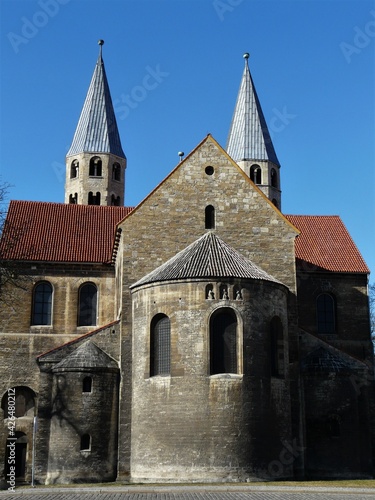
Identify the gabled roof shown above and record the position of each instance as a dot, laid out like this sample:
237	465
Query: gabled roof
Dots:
249	138
325	244
97	130
208	257
57	232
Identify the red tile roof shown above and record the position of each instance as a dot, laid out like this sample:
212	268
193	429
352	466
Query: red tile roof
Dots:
57	232
325	244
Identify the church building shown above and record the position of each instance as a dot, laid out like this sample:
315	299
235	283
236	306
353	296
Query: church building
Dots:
203	335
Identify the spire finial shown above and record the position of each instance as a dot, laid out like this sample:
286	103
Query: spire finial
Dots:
246	57
101	43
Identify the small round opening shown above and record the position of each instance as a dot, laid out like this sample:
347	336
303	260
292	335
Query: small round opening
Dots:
209	170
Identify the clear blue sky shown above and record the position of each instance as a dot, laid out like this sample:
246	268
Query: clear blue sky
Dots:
313	63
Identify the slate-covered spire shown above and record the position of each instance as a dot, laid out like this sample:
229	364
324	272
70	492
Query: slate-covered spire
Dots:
249	141
97	130
249	138
95	162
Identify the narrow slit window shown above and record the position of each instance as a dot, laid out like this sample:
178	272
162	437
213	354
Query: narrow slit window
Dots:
87	384
85	442
210	217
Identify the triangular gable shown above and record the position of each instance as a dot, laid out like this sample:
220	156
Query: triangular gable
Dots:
235	165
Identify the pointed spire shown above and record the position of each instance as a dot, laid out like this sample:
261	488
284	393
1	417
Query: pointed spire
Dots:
249	138
97	130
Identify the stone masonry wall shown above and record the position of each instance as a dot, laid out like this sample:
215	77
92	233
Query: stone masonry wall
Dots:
173	216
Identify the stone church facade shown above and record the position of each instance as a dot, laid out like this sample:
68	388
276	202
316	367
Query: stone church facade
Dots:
200	336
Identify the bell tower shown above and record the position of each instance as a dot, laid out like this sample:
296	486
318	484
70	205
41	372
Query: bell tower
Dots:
95	162
249	141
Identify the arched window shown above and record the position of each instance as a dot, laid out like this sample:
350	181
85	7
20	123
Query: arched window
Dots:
274	180
256	174
160	346
210	294
94	199
74	169
116	172
87	304
18	401
85	442
209	217
223	342
42	304
325	311
95	168
277	347
87	384
115	201
73	199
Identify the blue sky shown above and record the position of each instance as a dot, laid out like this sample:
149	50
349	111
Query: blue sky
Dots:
312	61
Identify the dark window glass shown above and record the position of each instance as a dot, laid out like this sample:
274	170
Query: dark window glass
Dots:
223	343
210	217
87	305
325	306
277	347
42	304
160	356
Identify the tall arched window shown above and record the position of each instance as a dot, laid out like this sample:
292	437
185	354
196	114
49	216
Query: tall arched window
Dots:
87	305
160	346
209	217
95	168
116	172
23	404
256	174
42	304
223	342
74	169
274	180
277	347
325	312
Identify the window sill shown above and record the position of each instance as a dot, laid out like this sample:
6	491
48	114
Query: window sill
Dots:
226	376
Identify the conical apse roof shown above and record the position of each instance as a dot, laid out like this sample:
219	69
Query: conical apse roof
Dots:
208	257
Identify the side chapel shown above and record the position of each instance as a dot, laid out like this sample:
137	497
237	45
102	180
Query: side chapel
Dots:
203	335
